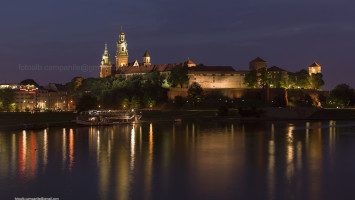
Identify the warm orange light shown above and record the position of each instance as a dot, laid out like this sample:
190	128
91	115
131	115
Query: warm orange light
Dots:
71	149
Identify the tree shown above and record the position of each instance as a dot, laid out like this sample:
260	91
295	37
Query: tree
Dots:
153	79
179	101
277	80
29	82
303	79
117	93
125	103
152	89
7	99
135	102
178	76
263	77
342	95
149	102
73	85
257	77
86	102
251	79
195	93
317	81
292	81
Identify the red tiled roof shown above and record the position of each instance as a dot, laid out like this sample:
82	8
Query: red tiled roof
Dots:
315	64
190	62
275	69
145	69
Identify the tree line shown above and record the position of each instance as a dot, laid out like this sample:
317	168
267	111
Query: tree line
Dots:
299	80
118	93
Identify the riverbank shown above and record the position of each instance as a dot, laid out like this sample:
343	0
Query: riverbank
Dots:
20	121
24	120
269	113
334	114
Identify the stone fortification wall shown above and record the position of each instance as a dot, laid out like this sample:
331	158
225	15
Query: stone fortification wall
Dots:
210	80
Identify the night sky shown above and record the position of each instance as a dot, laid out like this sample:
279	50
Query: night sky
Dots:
287	33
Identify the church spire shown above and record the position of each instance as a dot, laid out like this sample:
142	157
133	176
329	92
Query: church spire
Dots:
106	57
106	65
106	51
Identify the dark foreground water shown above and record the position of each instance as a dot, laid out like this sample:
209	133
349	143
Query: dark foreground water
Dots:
206	160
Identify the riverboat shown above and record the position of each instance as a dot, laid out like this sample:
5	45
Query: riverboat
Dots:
107	117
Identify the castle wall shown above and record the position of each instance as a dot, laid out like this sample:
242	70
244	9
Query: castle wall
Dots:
214	80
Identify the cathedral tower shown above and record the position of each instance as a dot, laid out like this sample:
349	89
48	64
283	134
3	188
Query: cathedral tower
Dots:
122	52
146	59
106	65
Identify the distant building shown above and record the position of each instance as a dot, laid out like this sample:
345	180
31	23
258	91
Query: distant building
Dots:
57	97
315	68
257	64
29	97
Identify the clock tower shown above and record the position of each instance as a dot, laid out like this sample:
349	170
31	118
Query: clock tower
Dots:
122	52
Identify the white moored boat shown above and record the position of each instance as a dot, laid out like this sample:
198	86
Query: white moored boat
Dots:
107	117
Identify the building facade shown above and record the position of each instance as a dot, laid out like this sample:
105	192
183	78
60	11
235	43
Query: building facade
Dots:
315	68
30	98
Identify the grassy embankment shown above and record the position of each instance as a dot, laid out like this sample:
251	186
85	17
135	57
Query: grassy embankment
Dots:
19	120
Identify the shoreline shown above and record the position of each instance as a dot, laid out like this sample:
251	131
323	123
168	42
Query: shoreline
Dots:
28	121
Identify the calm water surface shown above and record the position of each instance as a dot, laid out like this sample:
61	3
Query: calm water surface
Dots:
205	160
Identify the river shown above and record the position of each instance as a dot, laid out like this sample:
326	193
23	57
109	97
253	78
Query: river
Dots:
191	160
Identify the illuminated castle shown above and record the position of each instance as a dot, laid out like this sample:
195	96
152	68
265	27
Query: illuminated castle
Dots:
108	69
213	77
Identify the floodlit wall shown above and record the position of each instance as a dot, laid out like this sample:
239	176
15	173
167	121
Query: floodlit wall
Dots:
211	80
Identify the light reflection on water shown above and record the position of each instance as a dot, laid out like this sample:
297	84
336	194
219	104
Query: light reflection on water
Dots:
254	160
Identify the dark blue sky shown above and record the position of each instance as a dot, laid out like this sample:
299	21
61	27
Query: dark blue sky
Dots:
287	33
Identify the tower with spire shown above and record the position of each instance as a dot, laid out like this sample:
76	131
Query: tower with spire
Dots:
122	52
146	59
106	65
